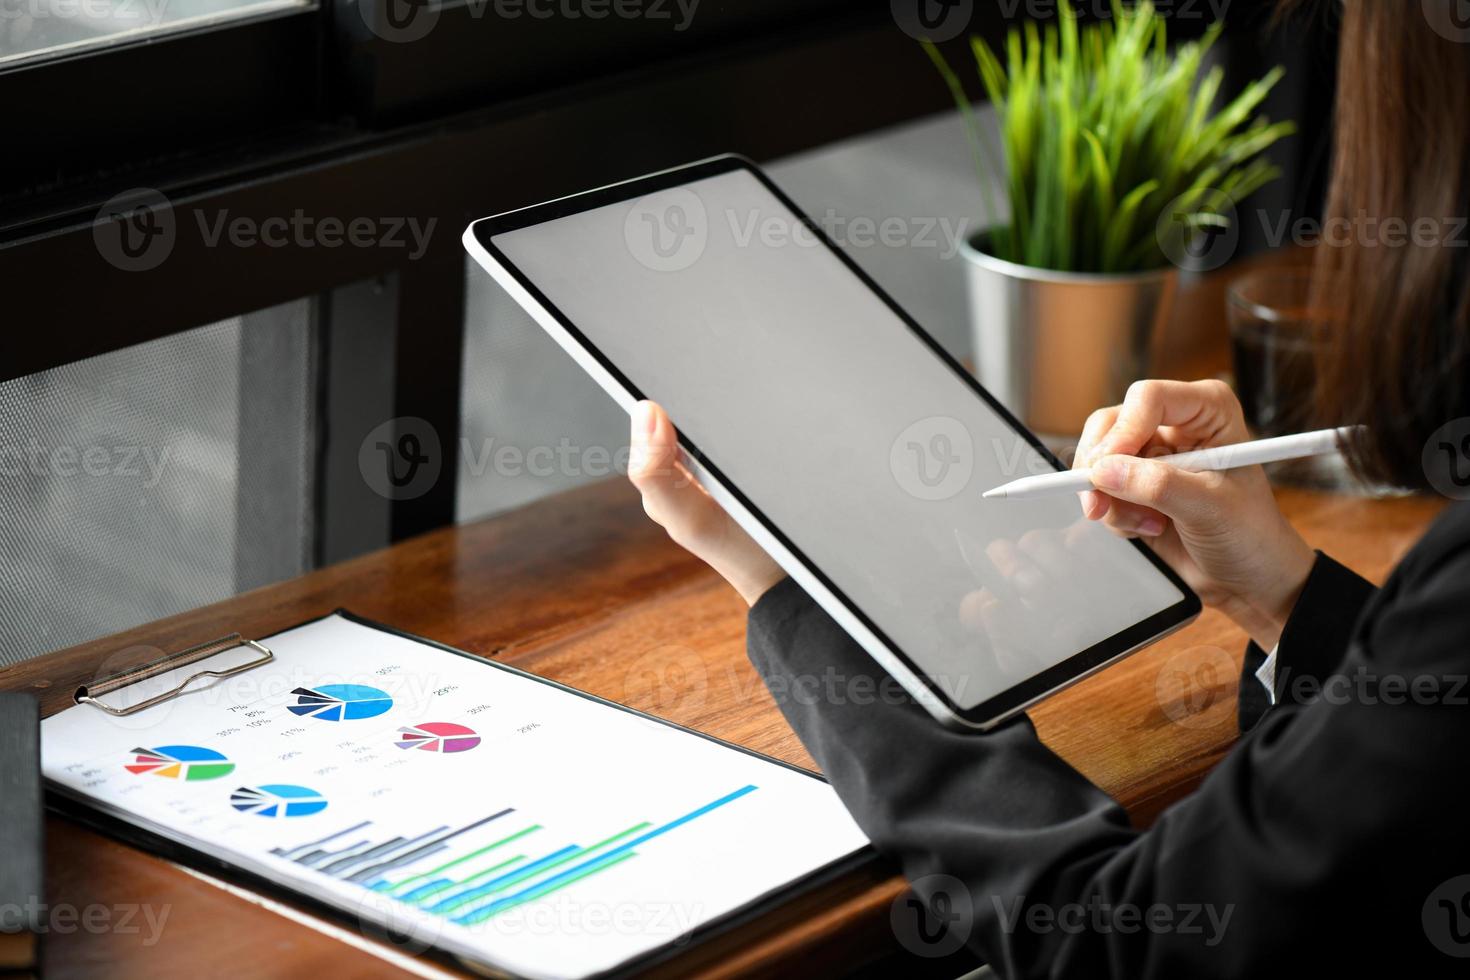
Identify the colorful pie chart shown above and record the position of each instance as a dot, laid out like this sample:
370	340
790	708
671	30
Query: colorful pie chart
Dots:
187	762
340	702
278	800
438	736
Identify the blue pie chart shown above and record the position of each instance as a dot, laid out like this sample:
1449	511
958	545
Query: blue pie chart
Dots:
340	702
278	800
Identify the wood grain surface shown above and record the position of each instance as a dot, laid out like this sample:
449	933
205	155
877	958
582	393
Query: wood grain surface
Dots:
583	589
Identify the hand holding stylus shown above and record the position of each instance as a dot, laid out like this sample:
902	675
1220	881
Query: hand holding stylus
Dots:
1254	453
1220	529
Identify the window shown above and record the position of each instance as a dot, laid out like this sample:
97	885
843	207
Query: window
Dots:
34	30
154	479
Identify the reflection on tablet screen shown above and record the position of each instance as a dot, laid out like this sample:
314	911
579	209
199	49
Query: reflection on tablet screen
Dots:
845	431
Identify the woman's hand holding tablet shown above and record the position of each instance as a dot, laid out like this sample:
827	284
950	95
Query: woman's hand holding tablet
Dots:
677	502
827	431
1221	530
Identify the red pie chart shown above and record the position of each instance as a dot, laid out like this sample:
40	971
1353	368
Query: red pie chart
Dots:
438	736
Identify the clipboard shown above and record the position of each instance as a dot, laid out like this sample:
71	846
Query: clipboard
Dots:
64	799
94	692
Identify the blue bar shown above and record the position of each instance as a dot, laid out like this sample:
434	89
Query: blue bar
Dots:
489	886
681	820
622	848
485	911
428	886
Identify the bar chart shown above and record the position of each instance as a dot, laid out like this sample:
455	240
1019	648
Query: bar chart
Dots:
517	865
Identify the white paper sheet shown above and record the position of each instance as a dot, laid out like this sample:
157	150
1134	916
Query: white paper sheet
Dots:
463	805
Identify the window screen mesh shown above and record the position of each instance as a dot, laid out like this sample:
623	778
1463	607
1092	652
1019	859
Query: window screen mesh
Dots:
154	479
534	422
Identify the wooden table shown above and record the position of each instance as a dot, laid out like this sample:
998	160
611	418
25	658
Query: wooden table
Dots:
583	589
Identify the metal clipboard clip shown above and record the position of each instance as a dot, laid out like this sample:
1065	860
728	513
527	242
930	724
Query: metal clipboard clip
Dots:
89	693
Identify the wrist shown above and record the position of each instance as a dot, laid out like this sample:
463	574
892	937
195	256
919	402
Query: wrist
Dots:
751	589
754	576
1264	630
1274	605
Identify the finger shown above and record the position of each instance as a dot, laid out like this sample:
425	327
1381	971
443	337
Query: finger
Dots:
972	610
1159	444
1099	423
653	448
1202	412
1044	547
1019	571
670	496
1095	506
1179	494
1008	637
1135	521
1048	547
1089	549
983	614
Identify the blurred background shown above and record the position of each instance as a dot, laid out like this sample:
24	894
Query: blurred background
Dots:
231	259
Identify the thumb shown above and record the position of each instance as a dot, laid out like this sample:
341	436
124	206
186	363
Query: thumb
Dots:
653	448
670	495
1179	494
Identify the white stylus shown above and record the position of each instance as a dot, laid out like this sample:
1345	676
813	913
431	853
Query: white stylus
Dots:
1274	450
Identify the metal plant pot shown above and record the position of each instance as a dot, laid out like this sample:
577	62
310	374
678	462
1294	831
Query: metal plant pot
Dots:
1053	346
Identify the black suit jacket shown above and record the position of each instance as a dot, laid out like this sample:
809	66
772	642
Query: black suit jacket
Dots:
1330	838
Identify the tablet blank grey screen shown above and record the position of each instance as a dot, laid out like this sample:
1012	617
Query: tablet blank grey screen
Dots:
842	428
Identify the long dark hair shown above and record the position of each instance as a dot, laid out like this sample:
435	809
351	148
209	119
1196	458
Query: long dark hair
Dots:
1398	357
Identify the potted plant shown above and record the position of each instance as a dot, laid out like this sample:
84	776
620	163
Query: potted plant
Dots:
1119	169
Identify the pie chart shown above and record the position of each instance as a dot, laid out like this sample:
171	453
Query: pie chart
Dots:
340	702
278	800
438	736
188	762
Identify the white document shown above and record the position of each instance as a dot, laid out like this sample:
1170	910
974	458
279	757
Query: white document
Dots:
489	814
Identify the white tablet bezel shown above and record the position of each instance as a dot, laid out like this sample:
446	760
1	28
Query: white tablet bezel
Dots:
987	714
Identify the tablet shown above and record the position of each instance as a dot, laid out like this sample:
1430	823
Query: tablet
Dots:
837	433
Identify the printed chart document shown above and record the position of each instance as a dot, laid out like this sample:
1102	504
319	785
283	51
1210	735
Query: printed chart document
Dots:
478	810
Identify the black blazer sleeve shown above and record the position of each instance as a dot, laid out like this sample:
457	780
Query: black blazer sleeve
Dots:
1313	643
1322	834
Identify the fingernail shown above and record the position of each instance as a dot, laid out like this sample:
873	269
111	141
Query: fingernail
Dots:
1110	473
643	418
1089	503
1150	527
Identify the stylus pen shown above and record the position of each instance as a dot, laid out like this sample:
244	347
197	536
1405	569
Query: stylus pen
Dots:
1299	446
